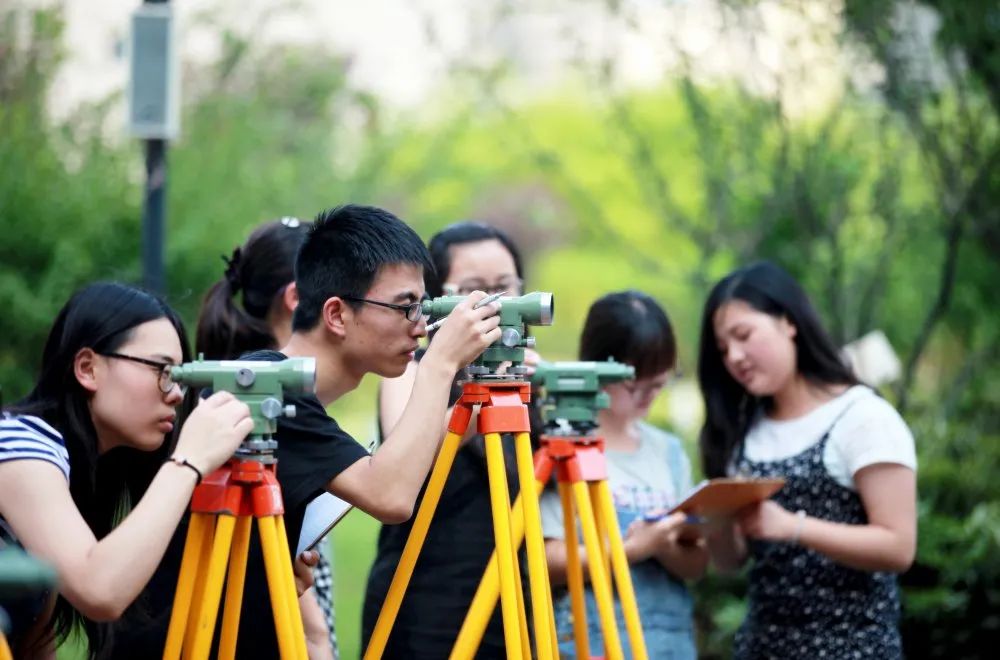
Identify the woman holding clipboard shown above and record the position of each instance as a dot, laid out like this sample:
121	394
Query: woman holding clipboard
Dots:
781	402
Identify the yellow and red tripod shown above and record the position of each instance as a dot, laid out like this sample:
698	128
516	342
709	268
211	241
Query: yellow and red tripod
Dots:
581	471
503	409
222	508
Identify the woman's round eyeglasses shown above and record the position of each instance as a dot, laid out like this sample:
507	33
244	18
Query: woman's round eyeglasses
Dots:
164	382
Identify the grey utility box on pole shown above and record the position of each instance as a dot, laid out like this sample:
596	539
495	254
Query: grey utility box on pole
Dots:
154	115
154	80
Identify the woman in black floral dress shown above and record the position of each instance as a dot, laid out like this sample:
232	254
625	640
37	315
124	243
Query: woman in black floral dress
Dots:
780	401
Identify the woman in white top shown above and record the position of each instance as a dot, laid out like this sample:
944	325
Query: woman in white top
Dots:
780	401
85	479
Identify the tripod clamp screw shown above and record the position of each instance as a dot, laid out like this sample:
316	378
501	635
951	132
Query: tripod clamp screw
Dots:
245	377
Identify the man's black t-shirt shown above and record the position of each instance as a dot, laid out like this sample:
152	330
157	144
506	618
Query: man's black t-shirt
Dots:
312	450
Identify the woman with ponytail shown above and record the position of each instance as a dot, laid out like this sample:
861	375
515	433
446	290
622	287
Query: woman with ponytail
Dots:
250	308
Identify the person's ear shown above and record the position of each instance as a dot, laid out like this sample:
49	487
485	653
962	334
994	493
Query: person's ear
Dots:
788	327
86	368
336	315
290	297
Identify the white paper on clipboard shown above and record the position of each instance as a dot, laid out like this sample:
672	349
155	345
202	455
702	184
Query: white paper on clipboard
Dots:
321	515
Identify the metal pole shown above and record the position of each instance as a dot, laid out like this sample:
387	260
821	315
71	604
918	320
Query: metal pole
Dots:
153	215
154	209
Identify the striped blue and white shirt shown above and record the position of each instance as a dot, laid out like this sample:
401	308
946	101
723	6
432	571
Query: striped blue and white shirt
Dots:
29	437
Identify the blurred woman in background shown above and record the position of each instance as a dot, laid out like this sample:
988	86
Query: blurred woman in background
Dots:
468	256
780	401
648	473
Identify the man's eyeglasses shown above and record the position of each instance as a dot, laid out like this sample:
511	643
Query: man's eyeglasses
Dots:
511	284
164	381
413	311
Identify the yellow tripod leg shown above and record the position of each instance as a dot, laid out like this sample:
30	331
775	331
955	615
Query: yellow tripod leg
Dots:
291	593
216	575
276	586
198	595
623	577
574	574
535	546
500	505
185	586
522	614
485	600
5	653
602	529
234	588
598	575
414	542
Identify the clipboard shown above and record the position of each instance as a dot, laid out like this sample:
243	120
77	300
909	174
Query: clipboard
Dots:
321	516
721	498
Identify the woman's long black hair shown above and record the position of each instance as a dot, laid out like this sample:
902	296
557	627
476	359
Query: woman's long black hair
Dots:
729	408
104	487
260	269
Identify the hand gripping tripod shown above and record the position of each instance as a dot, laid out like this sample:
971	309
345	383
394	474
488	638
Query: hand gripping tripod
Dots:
222	508
503	409
572	448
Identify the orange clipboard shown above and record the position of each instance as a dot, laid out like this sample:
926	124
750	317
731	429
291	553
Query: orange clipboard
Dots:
721	498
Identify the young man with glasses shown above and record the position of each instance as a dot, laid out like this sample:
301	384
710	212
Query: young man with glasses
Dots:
360	279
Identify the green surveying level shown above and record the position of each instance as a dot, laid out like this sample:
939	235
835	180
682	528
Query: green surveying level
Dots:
223	506
535	308
260	385
573	391
20	575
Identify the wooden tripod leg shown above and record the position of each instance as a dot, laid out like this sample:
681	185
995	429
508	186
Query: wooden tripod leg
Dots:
201	577
535	546
599	581
623	578
193	541
234	588
276	585
291	593
574	573
214	581
500	505
414	542
485	600
603	525
522	613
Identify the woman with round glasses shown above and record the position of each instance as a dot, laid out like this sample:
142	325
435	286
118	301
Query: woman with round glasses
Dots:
91	480
468	256
648	473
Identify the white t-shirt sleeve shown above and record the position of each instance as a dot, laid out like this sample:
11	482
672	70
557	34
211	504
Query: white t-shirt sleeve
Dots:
871	432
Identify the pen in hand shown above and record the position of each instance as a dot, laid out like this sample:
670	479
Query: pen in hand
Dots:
485	301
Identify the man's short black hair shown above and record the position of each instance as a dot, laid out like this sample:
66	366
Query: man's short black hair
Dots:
344	252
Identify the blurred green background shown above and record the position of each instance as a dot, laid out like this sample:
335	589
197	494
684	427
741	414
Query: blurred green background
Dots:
884	199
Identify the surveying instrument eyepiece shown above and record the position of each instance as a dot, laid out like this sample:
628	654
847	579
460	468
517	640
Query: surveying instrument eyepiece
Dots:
261	385
571	393
536	308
